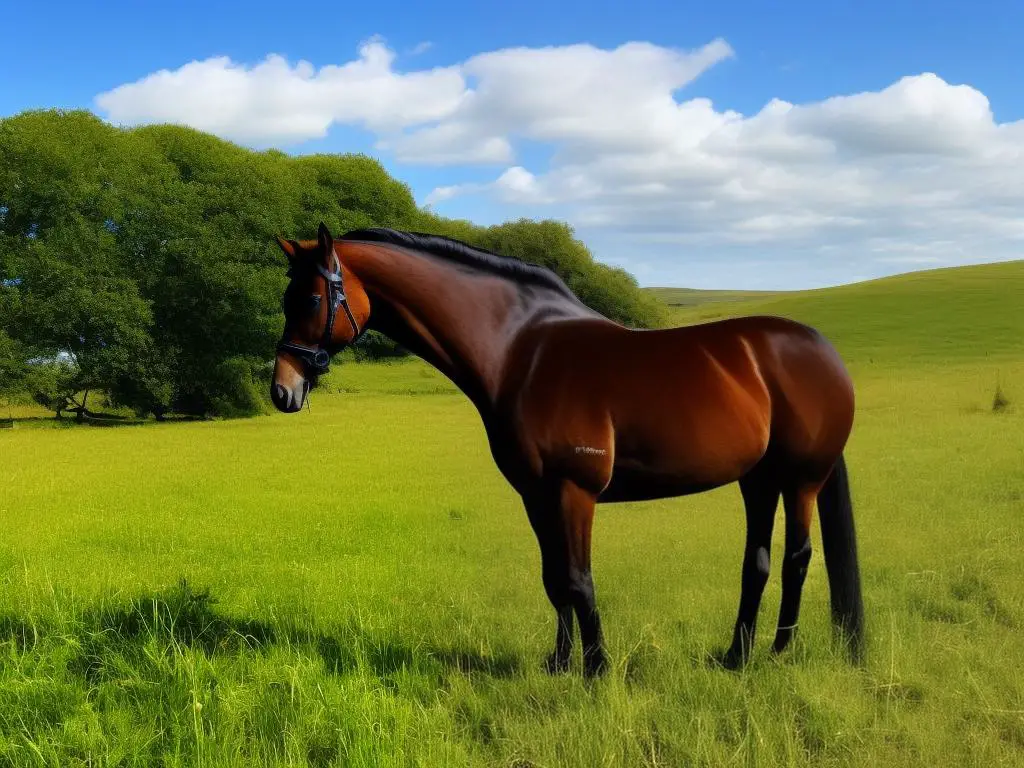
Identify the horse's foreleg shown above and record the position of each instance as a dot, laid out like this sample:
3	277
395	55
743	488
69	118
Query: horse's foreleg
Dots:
562	521
760	499
555	574
576	507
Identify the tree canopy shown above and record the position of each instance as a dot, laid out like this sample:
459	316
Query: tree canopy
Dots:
142	263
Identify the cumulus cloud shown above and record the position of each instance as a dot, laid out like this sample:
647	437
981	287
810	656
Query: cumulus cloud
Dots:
919	172
276	102
582	97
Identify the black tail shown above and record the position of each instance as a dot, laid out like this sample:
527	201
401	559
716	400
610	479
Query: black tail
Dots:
839	540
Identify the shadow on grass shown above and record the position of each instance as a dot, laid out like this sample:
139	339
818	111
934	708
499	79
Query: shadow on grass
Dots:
111	632
98	420
387	657
22	632
181	614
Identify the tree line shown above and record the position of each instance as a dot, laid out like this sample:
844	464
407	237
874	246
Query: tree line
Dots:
141	263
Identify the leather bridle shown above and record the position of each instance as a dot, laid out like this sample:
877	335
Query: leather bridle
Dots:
317	360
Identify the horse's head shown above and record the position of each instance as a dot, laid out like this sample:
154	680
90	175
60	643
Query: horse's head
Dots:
325	310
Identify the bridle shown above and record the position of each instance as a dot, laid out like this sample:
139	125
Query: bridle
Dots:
318	361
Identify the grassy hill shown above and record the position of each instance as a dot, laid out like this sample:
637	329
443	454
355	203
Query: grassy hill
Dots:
953	315
693	297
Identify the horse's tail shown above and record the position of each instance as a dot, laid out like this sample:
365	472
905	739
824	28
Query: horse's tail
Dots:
839	540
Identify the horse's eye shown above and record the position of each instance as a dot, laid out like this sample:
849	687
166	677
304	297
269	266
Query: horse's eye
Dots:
314	303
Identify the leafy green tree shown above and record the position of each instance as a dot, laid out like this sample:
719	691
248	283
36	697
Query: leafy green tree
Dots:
98	328
13	356
142	262
61	190
13	367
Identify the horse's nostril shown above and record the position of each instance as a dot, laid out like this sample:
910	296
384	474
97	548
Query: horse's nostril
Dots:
281	396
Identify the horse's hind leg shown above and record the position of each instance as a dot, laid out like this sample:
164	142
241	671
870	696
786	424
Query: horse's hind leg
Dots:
760	498
799	504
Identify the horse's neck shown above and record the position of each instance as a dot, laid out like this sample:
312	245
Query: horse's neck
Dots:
460	322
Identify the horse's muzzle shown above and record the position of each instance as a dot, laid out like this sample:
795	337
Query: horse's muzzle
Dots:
286	400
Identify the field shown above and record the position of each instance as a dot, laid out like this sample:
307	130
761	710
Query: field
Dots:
357	585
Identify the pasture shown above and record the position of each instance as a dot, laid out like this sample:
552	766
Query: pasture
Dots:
355	584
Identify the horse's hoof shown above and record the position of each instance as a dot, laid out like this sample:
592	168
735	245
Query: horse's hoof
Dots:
595	665
783	637
731	659
555	665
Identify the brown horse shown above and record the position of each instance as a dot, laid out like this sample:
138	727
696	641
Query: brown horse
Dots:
580	410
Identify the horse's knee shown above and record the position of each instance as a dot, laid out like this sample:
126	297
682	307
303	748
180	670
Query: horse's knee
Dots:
557	589
580	587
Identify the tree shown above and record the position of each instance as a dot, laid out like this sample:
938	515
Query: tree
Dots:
142	262
62	184
13	357
12	366
96	330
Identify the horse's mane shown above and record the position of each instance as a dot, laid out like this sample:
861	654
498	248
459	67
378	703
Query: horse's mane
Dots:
461	253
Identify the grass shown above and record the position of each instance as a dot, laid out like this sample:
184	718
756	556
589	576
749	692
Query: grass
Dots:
694	297
935	317
357	585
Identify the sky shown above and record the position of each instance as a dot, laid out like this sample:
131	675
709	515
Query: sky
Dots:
746	145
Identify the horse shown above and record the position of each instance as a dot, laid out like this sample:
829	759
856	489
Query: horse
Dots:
580	410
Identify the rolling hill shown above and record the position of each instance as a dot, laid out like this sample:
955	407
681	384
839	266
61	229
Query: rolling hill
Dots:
952	315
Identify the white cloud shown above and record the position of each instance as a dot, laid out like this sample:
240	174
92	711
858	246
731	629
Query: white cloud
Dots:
275	102
919	172
517	183
921	163
449	143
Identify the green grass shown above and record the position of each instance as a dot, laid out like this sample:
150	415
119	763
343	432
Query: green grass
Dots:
362	587
934	317
692	297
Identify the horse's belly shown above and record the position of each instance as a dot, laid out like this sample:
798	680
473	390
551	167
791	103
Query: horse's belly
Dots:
637	484
663	462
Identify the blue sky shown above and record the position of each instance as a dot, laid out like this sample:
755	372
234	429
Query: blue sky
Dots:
803	53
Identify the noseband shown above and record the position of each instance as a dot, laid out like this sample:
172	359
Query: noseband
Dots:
318	361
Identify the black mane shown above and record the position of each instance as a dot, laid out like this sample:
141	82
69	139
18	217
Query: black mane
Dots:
456	251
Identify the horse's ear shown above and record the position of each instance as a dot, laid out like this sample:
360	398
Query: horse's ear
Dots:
326	241
290	247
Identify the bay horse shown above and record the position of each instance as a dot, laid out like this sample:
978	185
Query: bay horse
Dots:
580	410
